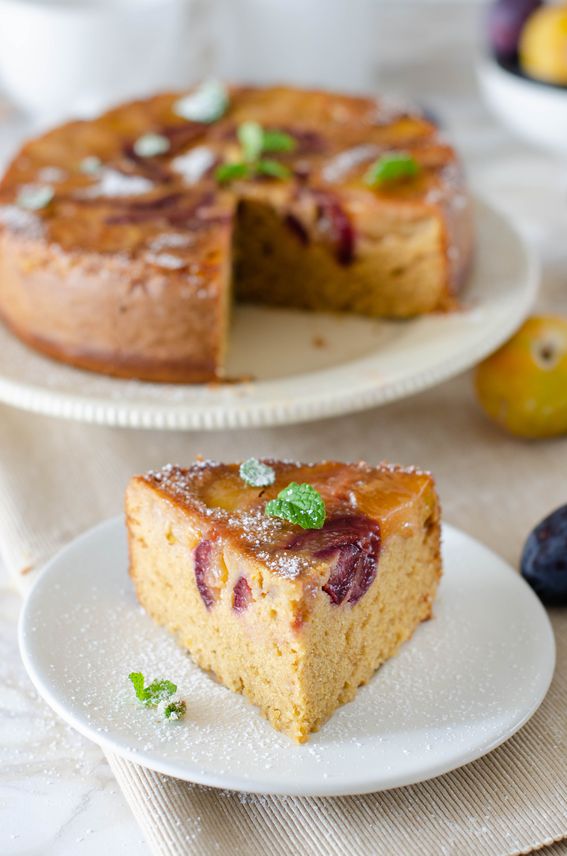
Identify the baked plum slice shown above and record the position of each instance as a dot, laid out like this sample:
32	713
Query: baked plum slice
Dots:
335	224
241	595
202	559
354	542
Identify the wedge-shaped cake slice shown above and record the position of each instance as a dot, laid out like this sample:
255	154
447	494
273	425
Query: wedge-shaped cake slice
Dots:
295	618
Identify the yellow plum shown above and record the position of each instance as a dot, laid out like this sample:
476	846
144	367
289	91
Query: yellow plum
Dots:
543	44
523	385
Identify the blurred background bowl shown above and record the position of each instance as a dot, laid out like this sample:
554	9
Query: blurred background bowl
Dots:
536	111
75	57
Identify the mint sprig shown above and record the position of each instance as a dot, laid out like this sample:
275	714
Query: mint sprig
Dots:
251	138
232	171
159	690
138	683
298	503
255	141
278	141
273	168
257	474
391	167
153	693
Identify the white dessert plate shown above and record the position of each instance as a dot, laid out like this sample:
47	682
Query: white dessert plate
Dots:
306	365
466	682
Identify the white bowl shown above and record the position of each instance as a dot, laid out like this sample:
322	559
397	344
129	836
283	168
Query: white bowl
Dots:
536	111
59	59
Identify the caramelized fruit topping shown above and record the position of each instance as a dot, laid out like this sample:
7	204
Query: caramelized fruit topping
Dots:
354	541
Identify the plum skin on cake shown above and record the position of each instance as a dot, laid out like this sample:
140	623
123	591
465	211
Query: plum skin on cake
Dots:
129	269
295	619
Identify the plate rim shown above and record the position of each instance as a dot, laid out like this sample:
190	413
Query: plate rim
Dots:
285	408
234	782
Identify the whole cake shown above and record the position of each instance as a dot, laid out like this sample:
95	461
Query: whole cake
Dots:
123	239
292	583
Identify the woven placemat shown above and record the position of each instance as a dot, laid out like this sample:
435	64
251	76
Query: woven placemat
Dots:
492	486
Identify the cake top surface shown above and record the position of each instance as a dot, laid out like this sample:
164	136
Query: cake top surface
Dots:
391	499
141	180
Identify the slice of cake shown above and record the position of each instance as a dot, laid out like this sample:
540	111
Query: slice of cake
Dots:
292	583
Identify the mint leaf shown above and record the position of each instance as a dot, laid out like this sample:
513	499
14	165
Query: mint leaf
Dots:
150	145
255	141
206	104
151	695
159	690
395	166
230	171
298	503
272	168
251	138
278	141
257	474
175	710
137	679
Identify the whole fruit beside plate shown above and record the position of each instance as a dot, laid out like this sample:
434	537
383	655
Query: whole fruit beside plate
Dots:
544	558
523	385
530	37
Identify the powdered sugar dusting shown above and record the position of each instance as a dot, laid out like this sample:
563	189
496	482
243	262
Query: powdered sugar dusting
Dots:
392	107
265	536
339	166
270	539
465	679
112	183
193	165
52	174
19	220
166	260
171	240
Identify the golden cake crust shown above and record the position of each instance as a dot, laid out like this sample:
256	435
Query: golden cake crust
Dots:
228	508
128	272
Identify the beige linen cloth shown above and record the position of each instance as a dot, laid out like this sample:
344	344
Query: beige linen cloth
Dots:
57	478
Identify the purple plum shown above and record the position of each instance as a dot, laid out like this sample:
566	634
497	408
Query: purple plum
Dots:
544	558
505	22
